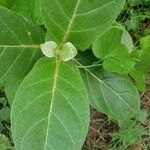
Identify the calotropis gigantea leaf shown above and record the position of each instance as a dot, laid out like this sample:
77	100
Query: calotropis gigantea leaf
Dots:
7	3
113	52
28	8
107	42
113	95
78	21
19	50
119	61
126	37
50	111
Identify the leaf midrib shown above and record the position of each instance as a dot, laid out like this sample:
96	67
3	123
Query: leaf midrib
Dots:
56	72
68	30
20	46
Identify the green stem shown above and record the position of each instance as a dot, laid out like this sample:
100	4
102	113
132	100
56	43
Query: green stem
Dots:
91	66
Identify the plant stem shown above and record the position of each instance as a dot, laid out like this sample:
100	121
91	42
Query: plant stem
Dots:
91	66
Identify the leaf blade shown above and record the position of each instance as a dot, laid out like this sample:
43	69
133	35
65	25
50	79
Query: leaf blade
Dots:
112	94
19	45
70	19
61	105
115	55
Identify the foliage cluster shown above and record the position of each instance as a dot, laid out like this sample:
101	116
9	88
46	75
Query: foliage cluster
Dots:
59	56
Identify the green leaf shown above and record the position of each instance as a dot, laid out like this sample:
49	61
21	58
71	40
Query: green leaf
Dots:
144	63
113	94
19	50
7	3
139	78
145	42
118	61
5	114
51	108
126	38
29	9
79	21
140	71
107	42
115	55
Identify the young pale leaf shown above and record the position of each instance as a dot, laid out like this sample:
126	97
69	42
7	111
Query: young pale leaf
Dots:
51	108
48	49
19	50
68	52
78	21
113	95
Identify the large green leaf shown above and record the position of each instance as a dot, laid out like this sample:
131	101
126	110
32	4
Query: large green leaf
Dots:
119	61
50	111
7	3
107	42
29	9
115	55
19	50
79	21
112	94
